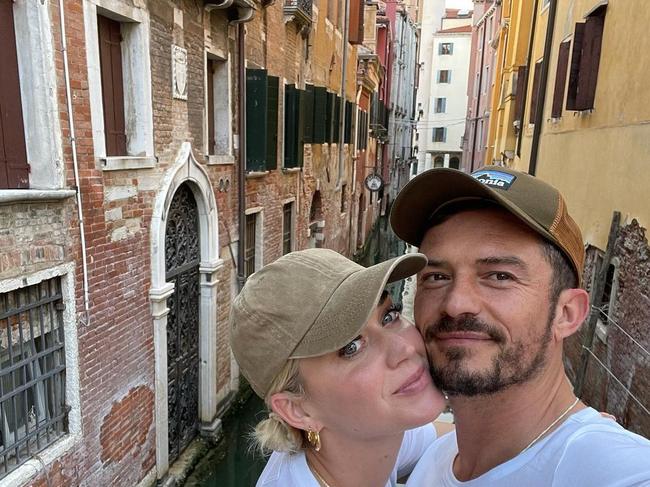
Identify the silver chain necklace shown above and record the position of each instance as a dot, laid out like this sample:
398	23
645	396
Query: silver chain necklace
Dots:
548	428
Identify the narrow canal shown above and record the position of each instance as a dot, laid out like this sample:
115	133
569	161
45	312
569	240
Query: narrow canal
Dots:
231	463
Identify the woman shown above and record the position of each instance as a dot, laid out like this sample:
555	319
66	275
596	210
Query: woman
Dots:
344	376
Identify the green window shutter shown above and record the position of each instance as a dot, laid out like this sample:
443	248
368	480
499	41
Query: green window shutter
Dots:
337	117
272	123
307	113
256	121
320	119
292	132
329	117
348	122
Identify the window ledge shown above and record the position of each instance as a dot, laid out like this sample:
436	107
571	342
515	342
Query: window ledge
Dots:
219	159
121	163
14	195
256	174
291	169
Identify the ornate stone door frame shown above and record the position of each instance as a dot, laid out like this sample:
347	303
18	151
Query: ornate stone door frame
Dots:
185	170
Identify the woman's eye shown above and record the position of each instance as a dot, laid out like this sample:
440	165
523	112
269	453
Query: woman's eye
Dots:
392	314
351	348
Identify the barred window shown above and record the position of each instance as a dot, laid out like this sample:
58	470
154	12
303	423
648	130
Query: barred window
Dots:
33	413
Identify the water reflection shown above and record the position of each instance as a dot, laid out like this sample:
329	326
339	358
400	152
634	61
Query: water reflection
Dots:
230	463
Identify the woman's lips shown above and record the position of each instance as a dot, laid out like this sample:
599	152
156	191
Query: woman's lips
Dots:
416	382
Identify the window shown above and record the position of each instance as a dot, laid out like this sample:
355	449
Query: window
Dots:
446	48
250	241
261	120
119	83
362	130
454	162
344	203
520	93
534	98
218	111
440	105
439	161
14	169
357	8
287	227
300	127
585	61
560	79
320	115
444	76
486	80
33	412
440	134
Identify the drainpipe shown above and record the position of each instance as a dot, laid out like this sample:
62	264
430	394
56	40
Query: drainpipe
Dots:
541	94
75	163
524	95
478	97
241	172
344	68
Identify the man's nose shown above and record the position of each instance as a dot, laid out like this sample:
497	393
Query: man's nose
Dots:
461	297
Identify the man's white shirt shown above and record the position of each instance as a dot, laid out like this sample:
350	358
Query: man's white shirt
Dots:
587	450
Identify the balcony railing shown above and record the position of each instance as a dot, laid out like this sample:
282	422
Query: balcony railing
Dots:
299	10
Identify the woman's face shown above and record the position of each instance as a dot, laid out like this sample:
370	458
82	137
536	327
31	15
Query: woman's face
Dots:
378	384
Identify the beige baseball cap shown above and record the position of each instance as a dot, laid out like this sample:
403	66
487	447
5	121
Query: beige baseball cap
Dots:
535	202
305	304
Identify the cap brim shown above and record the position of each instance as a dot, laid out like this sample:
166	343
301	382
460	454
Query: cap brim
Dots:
352	304
422	196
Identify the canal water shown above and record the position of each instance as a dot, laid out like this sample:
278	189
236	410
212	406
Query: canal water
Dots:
231	463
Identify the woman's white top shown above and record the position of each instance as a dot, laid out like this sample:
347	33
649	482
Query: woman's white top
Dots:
291	469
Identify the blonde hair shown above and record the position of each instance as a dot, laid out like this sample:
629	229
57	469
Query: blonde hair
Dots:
273	433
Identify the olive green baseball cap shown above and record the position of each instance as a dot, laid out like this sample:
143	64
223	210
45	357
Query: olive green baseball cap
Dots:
535	202
305	304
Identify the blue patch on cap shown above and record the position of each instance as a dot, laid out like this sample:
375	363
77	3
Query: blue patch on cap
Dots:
494	179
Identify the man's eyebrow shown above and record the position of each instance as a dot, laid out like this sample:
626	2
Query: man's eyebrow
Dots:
507	260
435	262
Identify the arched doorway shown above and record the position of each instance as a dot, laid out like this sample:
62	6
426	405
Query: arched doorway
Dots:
316	222
182	259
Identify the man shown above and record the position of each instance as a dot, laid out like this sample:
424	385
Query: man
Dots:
498	297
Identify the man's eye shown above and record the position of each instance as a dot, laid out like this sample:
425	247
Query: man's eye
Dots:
435	276
501	276
352	348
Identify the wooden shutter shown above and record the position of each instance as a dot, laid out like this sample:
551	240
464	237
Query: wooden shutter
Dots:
590	60
14	170
356	21
293	152
522	82
574	73
560	79
110	60
256	119
534	99
273	86
347	133
210	106
337	118
307	113
320	118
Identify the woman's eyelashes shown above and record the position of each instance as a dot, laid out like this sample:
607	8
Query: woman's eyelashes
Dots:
352	348
392	314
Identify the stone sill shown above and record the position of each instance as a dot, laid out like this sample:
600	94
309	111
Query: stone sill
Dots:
256	174
121	163
16	195
221	160
291	169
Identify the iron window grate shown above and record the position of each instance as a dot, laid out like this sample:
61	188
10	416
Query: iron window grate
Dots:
33	414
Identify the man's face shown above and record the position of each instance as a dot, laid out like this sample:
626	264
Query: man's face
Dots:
483	302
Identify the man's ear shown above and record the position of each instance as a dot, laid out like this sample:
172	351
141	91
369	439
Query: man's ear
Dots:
290	408
570	312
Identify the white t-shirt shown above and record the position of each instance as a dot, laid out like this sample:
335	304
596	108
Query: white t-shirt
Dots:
587	450
291	469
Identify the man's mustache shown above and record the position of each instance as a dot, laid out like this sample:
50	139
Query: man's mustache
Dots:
447	324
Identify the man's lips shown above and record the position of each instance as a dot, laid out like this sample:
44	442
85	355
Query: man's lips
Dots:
461	337
416	382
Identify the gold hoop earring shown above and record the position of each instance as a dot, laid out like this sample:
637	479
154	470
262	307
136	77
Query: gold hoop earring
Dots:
314	439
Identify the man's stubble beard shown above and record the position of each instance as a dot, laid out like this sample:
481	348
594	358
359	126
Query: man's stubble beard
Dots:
509	367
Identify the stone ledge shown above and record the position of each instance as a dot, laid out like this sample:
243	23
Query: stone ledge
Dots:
121	163
16	195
